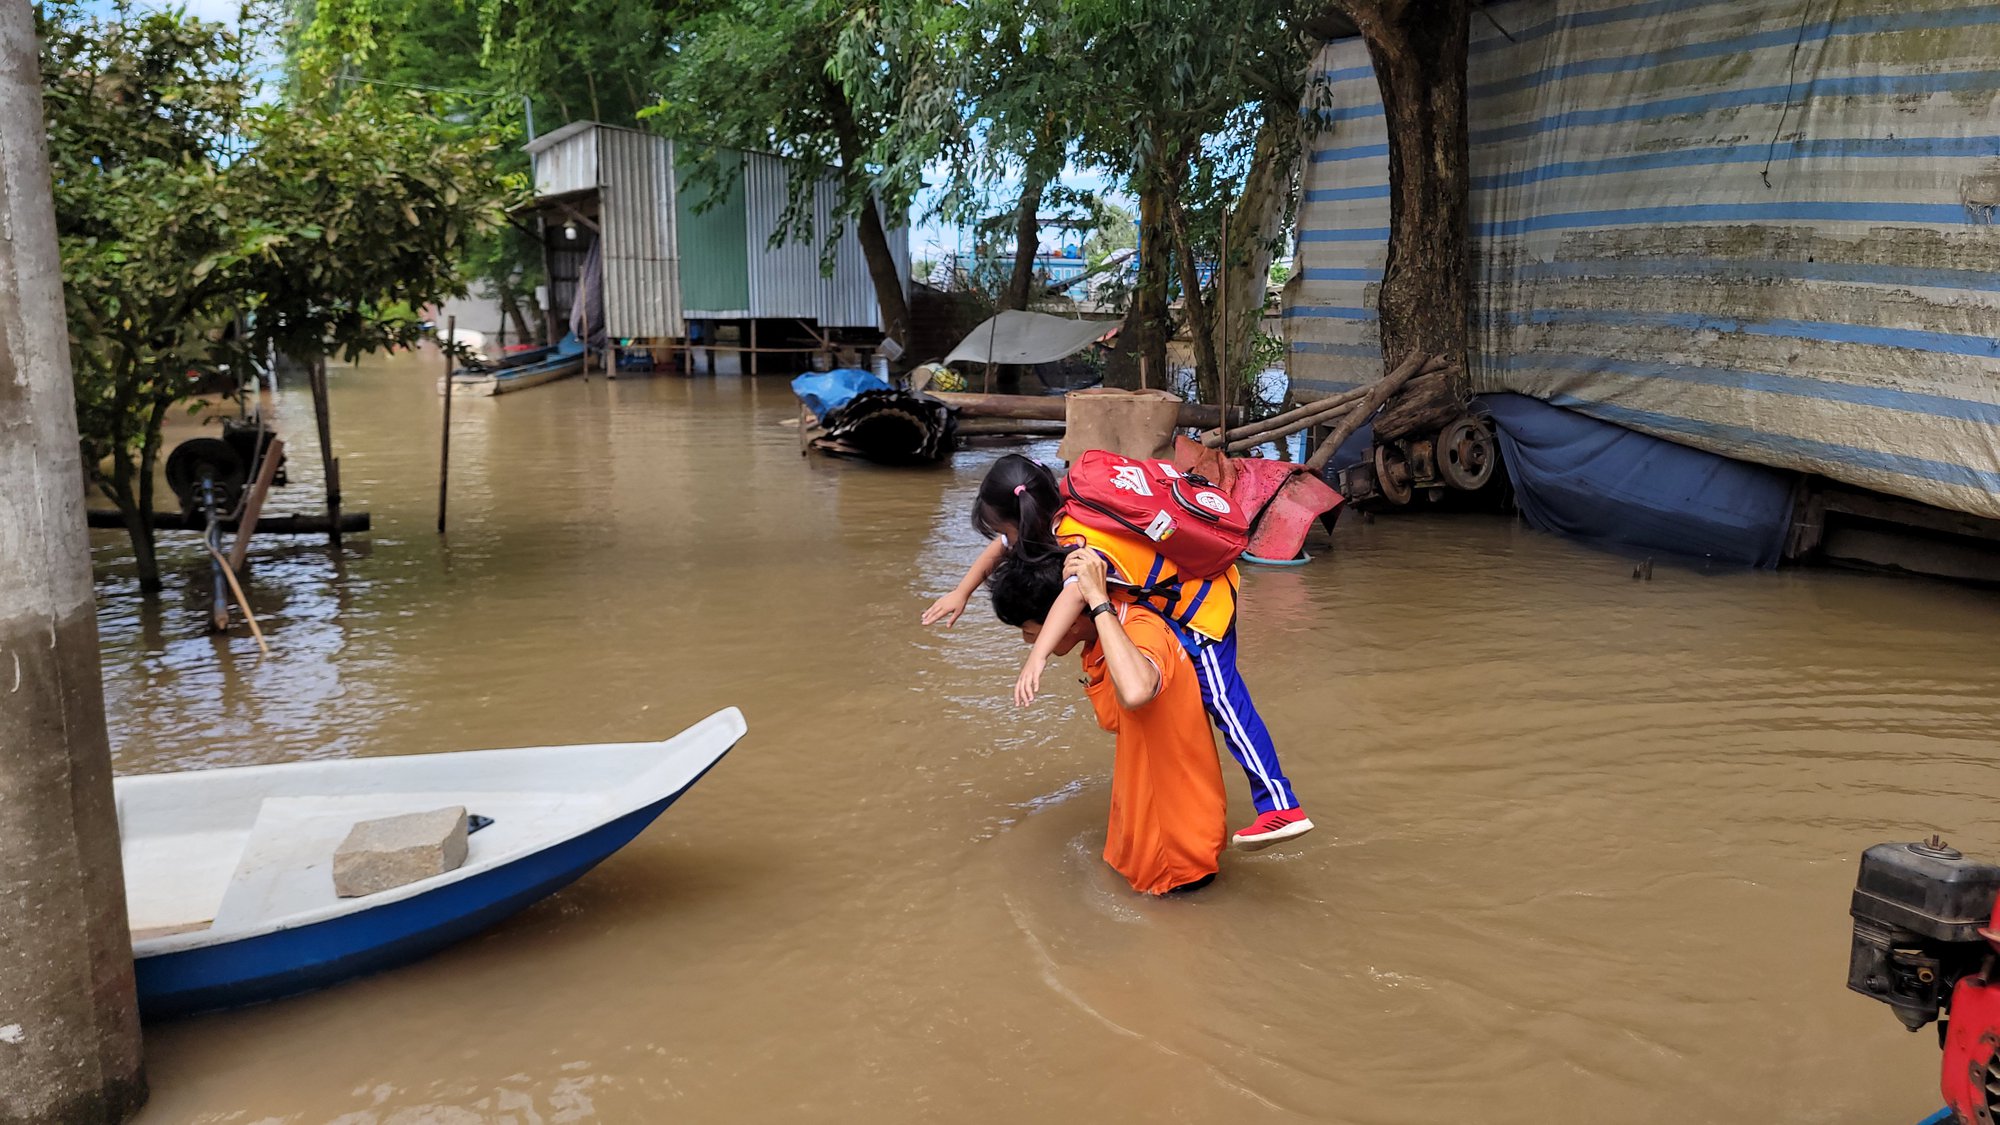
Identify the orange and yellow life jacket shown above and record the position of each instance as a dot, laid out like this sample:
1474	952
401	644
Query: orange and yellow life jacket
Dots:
1205	607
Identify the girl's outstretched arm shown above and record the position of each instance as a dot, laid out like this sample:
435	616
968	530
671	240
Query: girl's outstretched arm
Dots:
951	607
1062	615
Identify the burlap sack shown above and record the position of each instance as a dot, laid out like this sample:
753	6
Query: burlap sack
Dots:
1134	423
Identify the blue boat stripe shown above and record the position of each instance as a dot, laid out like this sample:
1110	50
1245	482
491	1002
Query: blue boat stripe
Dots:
1800	386
1845	148
1332	273
1884	23
1943	343
1333	195
1872	85
1357	152
1346	234
1922	468
1754	270
1330	312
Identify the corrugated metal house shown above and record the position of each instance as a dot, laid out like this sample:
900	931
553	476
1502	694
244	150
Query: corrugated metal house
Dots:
686	243
1747	226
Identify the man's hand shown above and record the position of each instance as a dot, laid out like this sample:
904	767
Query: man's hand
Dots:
947	609
1087	567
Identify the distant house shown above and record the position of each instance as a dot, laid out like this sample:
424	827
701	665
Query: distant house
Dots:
683	238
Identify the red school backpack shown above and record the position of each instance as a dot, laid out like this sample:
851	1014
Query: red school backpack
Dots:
1196	525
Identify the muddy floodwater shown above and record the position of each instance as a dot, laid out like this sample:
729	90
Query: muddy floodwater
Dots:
1584	854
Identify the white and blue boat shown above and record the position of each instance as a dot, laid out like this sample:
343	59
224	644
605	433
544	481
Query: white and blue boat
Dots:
518	372
228	872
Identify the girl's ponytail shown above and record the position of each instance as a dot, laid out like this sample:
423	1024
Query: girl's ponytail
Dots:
1020	492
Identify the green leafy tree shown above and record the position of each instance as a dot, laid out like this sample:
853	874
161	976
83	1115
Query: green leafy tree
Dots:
815	81
201	229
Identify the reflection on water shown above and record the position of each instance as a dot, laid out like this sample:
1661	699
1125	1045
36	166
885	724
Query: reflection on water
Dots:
1585	850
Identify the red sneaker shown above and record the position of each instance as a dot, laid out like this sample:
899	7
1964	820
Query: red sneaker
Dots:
1273	827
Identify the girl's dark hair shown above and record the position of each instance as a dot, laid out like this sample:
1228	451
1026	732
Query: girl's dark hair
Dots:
1023	588
1023	493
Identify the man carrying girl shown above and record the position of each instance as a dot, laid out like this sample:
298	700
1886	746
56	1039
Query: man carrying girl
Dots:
1020	507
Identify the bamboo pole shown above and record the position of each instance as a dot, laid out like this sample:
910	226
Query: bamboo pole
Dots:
1290	421
242	602
253	503
444	438
1377	395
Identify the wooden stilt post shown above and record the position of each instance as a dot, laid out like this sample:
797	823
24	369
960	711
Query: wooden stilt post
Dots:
444	438
316	376
753	345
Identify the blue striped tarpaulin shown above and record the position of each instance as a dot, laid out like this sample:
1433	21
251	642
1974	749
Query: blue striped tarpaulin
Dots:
1755	227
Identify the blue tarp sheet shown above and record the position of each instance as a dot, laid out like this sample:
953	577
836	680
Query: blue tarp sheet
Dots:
1599	482
824	393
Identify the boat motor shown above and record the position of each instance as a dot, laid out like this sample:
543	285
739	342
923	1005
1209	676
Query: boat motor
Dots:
1925	943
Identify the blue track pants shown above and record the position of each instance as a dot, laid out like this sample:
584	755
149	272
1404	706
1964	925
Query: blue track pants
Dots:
1228	702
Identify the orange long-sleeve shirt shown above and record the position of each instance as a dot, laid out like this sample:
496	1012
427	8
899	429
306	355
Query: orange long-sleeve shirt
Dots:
1167	802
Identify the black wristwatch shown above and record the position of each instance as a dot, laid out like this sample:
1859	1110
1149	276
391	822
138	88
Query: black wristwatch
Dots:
1100	608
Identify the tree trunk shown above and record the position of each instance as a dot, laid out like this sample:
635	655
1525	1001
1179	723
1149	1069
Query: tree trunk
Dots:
889	295
1419	51
1027	242
1256	232
1194	310
69	1012
145	550
1142	341
511	309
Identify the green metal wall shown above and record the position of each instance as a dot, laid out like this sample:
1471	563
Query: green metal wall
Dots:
714	261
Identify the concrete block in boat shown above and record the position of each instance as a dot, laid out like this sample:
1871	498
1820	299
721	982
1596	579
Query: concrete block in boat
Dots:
393	851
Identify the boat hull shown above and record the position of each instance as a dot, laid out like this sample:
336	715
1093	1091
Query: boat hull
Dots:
504	380
291	961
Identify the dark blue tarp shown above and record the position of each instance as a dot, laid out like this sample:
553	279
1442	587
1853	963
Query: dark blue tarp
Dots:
1578	476
825	392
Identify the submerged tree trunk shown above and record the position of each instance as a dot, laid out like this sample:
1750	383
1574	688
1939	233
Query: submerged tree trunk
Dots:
1194	310
510	308
1257	227
1027	242
1419	51
1142	341
889	295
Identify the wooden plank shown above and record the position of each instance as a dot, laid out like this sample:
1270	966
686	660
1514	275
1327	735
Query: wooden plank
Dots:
253	502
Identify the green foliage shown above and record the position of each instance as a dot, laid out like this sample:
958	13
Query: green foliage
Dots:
201	228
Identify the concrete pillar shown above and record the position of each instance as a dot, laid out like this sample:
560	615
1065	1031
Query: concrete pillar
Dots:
69	1024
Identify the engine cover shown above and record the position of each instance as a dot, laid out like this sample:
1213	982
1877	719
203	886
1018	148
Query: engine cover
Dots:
1918	910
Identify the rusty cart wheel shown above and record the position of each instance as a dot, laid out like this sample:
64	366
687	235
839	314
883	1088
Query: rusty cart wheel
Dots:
1466	455
1392	475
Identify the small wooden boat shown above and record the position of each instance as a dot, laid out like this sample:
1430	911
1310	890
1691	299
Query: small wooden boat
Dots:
228	872
519	372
